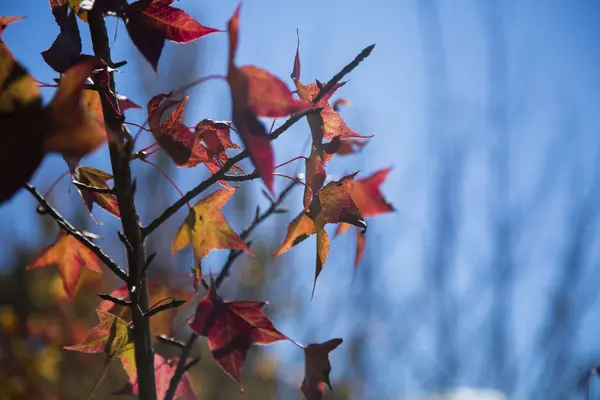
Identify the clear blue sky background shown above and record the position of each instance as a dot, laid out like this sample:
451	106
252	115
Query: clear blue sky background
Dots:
552	100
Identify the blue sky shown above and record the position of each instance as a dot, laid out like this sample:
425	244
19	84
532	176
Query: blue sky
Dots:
551	98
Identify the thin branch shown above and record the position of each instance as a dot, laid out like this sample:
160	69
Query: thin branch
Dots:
345	71
112	299
182	367
46	208
233	254
163	307
220	174
170	341
94	189
241	178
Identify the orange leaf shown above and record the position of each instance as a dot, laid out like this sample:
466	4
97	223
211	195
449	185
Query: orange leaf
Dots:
96	178
231	327
301	228
77	114
111	330
207	229
332	204
69	255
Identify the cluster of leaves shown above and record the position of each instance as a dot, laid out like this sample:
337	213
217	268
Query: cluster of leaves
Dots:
72	124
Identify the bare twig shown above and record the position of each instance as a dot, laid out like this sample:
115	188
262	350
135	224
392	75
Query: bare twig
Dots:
345	71
46	208
112	299
233	254
163	307
170	341
182	367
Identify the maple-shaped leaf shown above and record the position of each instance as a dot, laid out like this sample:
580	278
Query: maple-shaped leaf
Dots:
96	178
317	368
164	369
207	229
111	330
172	135
366	194
216	135
69	255
75	112
332	204
231	327
333	124
150	23
66	48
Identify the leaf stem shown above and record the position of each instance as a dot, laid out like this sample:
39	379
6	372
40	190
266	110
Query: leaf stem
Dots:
198	81
289	161
167	177
56	181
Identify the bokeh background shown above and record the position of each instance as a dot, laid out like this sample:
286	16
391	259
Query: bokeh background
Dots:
483	283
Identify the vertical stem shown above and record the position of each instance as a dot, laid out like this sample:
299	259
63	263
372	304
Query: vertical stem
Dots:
120	156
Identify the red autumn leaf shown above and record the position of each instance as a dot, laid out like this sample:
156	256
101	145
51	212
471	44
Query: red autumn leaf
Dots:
332	204
125	103
255	92
96	178
111	330
207	229
172	135
317	368
150	23
366	194
315	176
216	135
69	255
231	327
269	96
164	369
252	132
176	138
